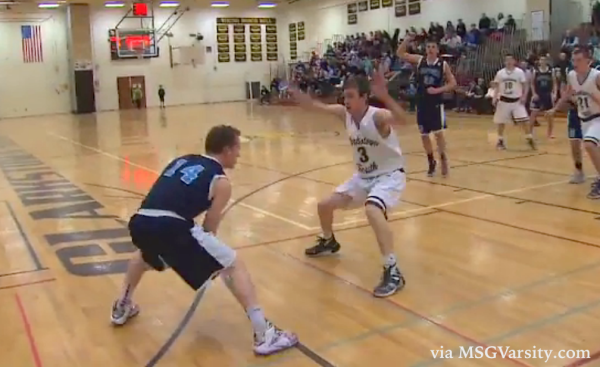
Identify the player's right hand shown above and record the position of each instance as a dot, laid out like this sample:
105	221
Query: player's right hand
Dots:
494	101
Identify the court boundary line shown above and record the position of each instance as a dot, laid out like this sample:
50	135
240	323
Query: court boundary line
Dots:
28	245
28	332
148	169
22	272
28	283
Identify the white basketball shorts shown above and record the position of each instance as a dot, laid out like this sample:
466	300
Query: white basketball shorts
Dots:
510	112
384	191
591	131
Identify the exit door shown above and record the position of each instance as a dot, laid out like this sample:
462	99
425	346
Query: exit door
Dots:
125	88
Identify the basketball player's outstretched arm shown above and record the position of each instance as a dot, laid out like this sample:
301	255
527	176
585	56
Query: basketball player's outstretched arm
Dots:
221	196
395	114
404	55
304	100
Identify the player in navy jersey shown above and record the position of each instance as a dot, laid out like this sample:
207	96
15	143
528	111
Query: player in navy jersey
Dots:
434	78
164	231
544	92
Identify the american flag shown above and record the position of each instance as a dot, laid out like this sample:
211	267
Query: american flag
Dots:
31	39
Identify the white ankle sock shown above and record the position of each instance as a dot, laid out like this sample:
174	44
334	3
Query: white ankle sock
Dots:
257	318
389	260
327	236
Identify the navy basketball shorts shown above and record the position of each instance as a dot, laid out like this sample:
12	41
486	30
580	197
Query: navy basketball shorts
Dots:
431	118
574	125
543	103
195	255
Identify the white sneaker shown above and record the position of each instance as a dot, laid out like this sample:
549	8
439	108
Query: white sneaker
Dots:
274	341
121	313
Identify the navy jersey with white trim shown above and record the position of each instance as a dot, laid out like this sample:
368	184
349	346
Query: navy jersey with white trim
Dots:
185	186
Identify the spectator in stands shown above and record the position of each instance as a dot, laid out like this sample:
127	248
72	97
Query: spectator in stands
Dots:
493	25
511	25
439	31
569	41
432	29
478	95
461	29
450	28
484	23
501	22
473	37
452	43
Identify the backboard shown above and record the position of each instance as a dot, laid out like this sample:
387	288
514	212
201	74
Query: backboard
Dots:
125	42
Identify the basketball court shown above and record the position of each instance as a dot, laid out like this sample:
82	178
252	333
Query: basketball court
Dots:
504	252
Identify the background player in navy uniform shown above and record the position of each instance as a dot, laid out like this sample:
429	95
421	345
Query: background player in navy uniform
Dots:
431	74
543	89
164	231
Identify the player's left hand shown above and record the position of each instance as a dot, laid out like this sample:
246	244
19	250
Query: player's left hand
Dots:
523	100
434	90
379	85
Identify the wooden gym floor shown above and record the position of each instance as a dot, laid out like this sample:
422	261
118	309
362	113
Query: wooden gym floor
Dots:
504	252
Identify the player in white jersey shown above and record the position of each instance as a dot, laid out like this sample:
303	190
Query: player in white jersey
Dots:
583	88
379	179
510	97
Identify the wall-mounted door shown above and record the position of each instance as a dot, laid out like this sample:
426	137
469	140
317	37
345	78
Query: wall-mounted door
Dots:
125	89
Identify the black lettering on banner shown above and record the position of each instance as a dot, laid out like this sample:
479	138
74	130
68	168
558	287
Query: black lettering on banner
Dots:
352	8
255	38
271	38
271	29
363	5
352	19
272	47
255	29
301	36
293	46
293	36
271	56
256	56
300	26
375	4
246	21
292	27
223	48
387	3
240	57
239	48
256	47
49	196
